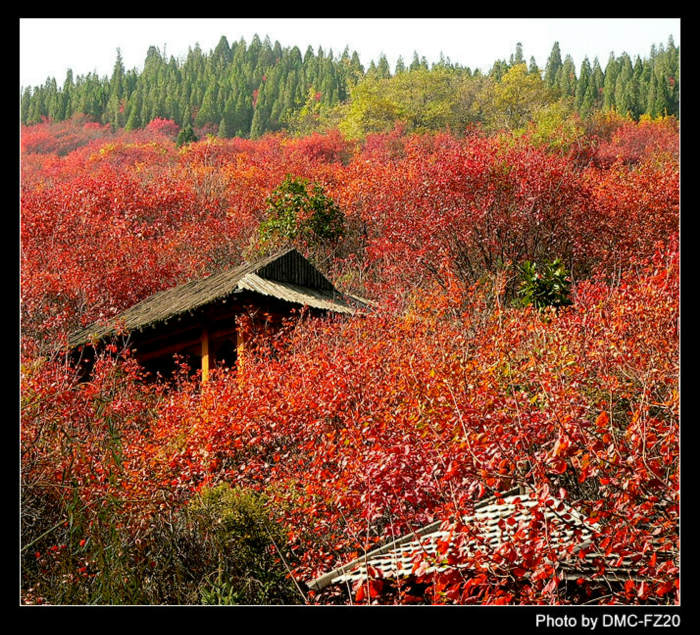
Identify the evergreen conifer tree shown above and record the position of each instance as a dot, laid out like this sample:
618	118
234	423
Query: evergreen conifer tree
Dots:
597	79
533	69
611	71
25	104
186	135
383	70
517	58
222	53
553	65
67	94
133	119
224	130
415	63
582	84
566	77
625	88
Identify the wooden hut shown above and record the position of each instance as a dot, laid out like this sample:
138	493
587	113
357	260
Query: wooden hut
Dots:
199	319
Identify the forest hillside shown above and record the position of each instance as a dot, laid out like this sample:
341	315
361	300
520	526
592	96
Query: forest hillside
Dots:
246	90
521	253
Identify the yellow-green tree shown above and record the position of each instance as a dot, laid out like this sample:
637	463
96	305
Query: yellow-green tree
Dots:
370	109
557	125
315	116
422	99
510	103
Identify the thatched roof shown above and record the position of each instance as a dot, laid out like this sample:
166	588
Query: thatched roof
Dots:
490	526
286	275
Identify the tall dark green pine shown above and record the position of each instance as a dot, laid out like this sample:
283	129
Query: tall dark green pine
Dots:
276	104
582	84
277	52
92	99
158	105
53	104
415	62
25	104
566	77
133	120
597	80
533	69
172	108
261	114
185	117
611	71
243	114
673	77
652	104
226	125
641	83
308	56
116	83
36	108
67	95
661	101
645	84
146	106
208	112
224	130
289	93
625	88
551	69
383	70
588	102
114	114
222	53
517	58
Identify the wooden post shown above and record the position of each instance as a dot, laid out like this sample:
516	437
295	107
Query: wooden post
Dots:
205	356
240	348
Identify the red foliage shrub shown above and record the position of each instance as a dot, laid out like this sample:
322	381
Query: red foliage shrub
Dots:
61	137
109	233
385	145
166	127
329	147
633	209
631	142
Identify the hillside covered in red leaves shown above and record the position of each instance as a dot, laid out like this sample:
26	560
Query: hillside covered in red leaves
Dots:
338	434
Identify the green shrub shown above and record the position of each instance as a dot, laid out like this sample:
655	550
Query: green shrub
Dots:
544	285
222	548
240	555
186	135
296	209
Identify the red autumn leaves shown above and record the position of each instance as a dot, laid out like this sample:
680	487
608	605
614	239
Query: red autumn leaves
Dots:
361	430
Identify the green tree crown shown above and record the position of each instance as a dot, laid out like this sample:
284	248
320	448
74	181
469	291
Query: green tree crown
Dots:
297	209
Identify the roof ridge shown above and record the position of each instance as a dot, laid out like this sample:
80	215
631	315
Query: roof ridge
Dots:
171	302
502	497
324	580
